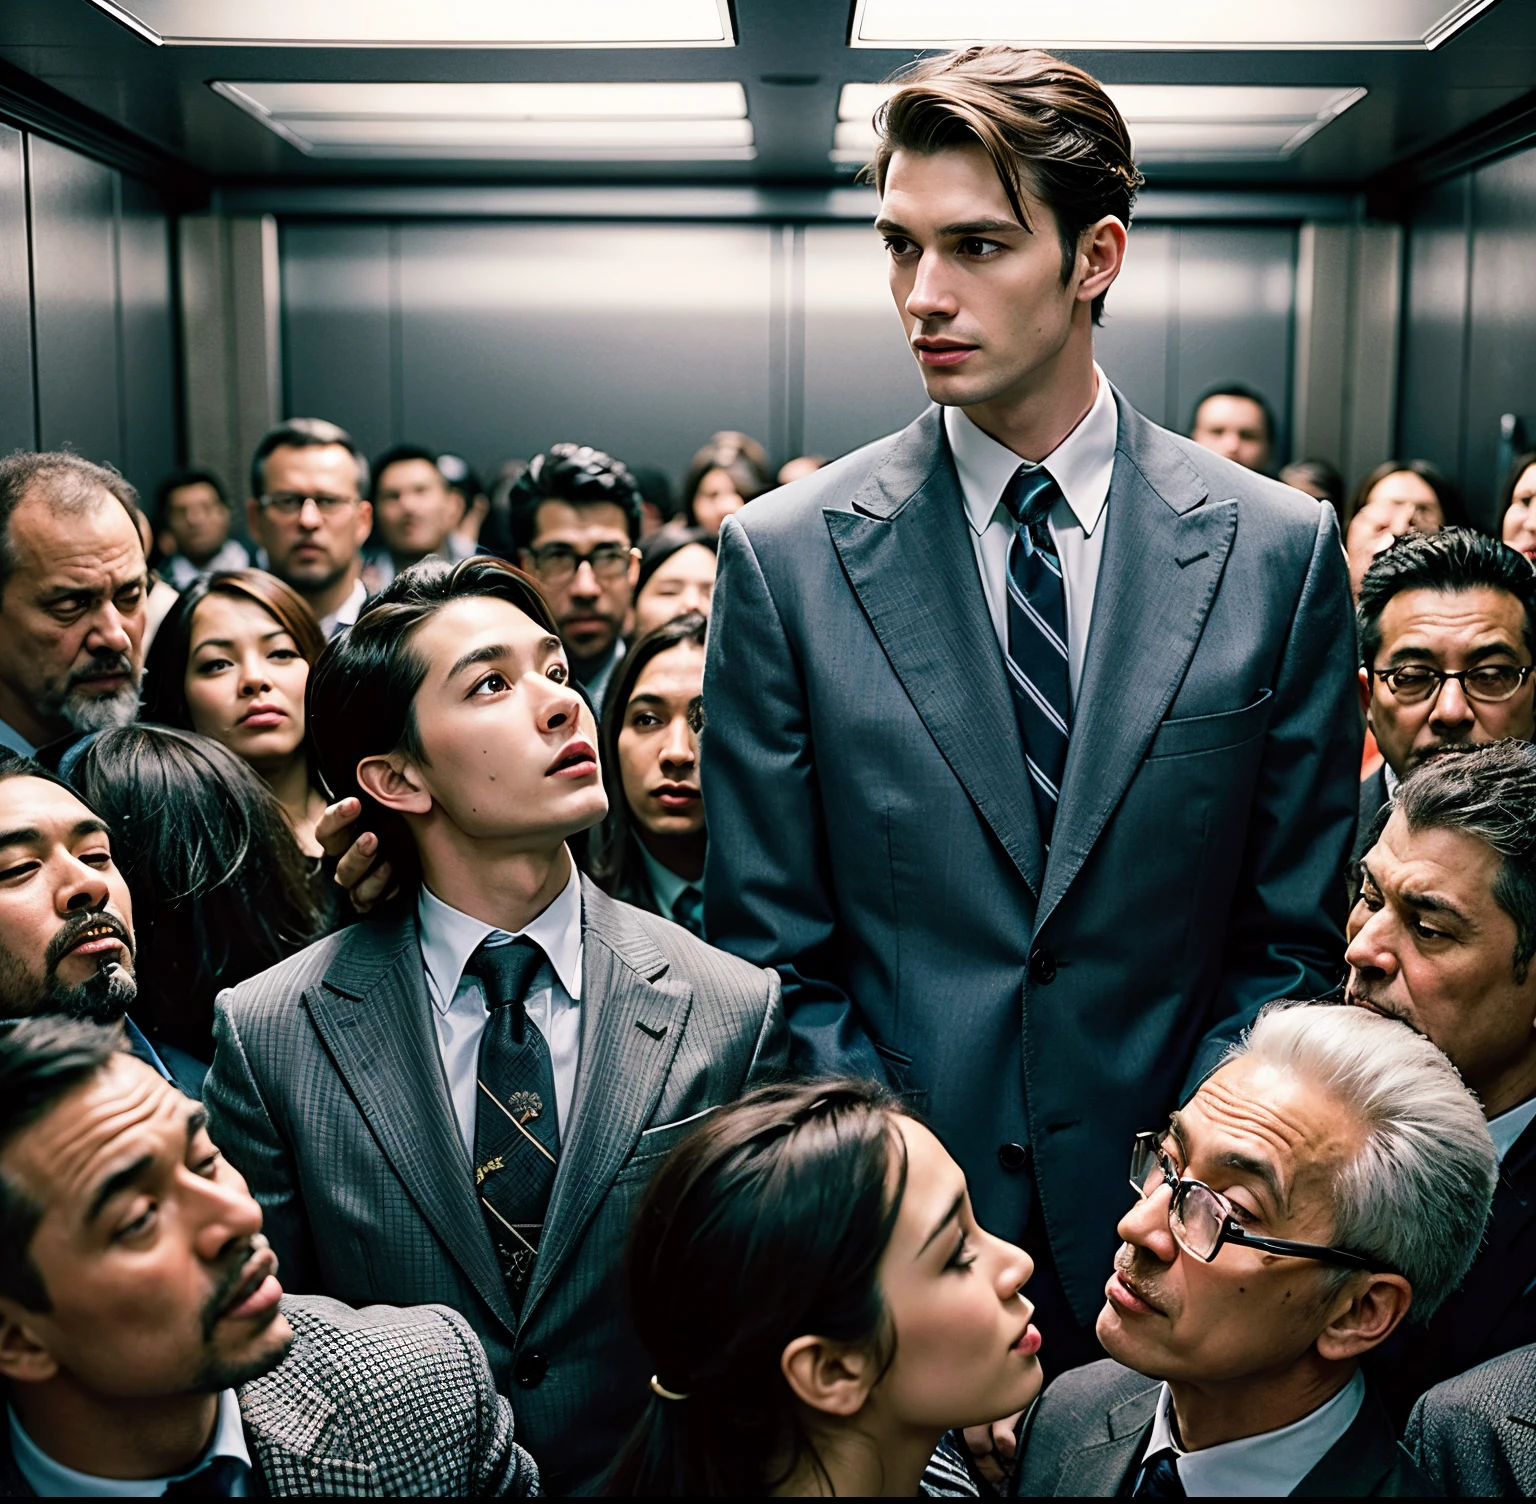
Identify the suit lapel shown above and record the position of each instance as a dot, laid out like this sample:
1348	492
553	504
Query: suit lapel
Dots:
907	552
1103	1469
1502	1265
1357	1464
632	1020
1164	553
373	1013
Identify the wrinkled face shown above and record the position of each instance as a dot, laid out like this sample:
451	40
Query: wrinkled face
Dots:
316	547
1429	944
197	520
149	1246
1235	428
715	500
72	620
590	606
1519	527
245	681
415	508
1398	503
965	1348
1271	1144
66	921
686	582
658	747
510	746
1449	631
980	295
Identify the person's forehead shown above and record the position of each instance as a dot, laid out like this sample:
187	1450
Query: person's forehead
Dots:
695	562
473	622
1465	618
41	804
1241	412
561	521
1451	864
291	464
933	1179
223	615
47	540
1402	485
195	493
1525	487
924	190
677	674
411	475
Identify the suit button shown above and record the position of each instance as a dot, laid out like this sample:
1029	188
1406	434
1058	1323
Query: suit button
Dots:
1012	1156
1042	966
529	1369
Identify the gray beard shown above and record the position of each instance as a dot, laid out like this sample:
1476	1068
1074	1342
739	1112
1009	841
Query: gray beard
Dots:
101	712
101	999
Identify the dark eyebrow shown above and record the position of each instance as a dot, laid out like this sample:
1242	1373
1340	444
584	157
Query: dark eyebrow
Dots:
24	835
944	1221
494	651
965	227
229	642
1176	1128
29	835
116	1183
646	700
1433	905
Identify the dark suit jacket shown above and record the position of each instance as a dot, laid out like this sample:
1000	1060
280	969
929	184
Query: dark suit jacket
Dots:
872	833
1373	796
1493	1312
328	1093
377	1403
1088	1432
1475	1435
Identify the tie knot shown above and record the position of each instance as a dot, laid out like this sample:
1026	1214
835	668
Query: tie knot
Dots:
1030	494
506	970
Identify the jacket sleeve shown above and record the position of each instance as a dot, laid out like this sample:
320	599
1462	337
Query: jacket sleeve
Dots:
766	886
1285	936
241	1126
498	1468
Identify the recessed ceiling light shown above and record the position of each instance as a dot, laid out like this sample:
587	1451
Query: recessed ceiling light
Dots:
1169	122
555	121
443	23
1184	24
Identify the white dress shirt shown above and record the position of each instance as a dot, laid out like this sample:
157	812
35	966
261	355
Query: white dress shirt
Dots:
179	572
553	1005
346	614
1506	1129
52	1480
1081	465
1267	1466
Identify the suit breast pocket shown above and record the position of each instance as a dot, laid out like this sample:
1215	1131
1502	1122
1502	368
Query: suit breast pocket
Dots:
1192	734
658	1142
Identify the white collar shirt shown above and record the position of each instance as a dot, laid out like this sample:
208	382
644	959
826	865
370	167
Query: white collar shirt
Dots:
1266	1466
52	1480
1081	465
597	684
1505	1130
346	614
553	1005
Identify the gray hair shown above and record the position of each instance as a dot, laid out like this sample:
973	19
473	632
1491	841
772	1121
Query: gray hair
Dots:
305	433
1417	1194
67	483
1491	795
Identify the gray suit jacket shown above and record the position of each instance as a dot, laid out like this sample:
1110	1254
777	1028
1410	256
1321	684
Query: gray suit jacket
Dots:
1086	1435
872	833
371	1404
1475	1435
328	1094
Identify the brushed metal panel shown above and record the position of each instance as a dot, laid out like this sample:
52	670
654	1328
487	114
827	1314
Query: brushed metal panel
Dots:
74	283
1135	344
148	338
18	414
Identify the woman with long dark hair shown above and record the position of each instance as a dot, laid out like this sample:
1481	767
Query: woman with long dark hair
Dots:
819	1302
649	850
220	888
231	661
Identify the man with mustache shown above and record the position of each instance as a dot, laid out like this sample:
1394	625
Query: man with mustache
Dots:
146	1346
73	583
1447	632
66	919
1329	1180
1443	939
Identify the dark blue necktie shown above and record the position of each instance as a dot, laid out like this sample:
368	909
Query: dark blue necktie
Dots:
517	1139
1037	639
688	911
1160	1477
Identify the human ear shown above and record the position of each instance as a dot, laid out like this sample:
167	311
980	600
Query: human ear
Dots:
1365	696
23	1359
827	1376
1364	1316
364	522
1100	255
395	784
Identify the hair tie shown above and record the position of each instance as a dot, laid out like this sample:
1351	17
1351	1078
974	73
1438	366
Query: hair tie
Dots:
662	1392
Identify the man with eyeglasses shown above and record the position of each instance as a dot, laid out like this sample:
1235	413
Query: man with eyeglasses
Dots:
576	523
1442	940
308	513
1447	630
1329	1180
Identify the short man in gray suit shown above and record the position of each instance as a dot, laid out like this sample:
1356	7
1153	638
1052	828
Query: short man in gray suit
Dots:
1475	1435
461	1099
1327	1182
1030	753
146	1346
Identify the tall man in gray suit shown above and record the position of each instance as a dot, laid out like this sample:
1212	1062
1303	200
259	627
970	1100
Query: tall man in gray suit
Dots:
461	1099
1030	751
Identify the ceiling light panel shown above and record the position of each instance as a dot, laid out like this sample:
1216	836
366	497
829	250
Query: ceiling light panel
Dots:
551	121
442	23
1210	25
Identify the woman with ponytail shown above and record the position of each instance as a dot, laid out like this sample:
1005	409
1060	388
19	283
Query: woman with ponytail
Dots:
819	1303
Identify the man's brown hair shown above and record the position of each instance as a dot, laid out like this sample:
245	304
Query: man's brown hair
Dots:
1047	126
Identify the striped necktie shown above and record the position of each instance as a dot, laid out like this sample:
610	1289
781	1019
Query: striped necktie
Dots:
1037	639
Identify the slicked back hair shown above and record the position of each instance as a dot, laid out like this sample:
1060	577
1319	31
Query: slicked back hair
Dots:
1491	795
1047	126
67	483
305	433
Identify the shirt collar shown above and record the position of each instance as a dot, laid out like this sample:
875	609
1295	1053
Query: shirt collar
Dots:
12	738
665	883
346	614
1081	464
50	1479
1268	1465
449	938
1505	1130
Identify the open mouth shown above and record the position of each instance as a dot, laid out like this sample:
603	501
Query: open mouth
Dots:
578	760
258	1291
97	939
